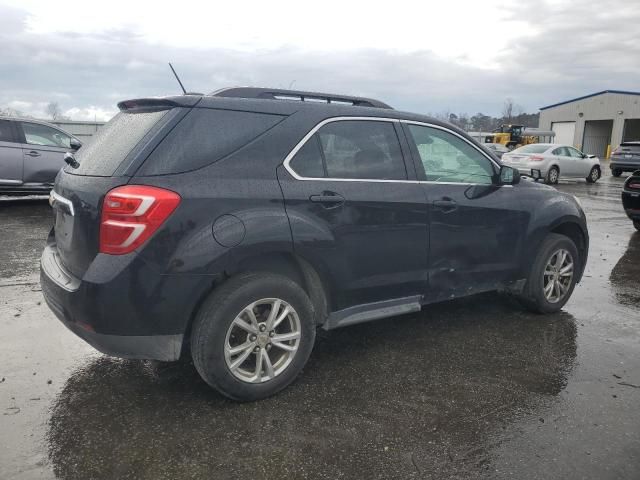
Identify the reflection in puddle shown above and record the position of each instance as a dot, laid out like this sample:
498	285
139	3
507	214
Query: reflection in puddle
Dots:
626	274
380	400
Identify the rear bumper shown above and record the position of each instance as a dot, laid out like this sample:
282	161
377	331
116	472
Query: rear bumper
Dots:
624	166
120	315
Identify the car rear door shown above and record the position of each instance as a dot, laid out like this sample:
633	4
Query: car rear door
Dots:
356	213
476	227
43	151
10	155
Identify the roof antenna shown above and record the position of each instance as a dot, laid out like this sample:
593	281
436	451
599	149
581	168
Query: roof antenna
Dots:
177	78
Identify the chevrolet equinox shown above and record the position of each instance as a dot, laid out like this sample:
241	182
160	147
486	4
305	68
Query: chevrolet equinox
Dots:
229	227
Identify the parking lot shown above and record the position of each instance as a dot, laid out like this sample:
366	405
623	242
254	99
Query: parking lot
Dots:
475	388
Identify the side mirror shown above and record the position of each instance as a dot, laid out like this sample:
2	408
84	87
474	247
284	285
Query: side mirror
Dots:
74	144
509	176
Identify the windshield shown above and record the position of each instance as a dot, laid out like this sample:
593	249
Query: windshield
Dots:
533	148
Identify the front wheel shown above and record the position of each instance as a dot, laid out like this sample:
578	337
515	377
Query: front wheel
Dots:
616	172
553	175
553	275
253	335
594	175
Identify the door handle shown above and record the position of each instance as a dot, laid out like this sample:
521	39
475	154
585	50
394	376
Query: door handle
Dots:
446	205
328	199
33	153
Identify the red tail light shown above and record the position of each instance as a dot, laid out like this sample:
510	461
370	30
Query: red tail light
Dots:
634	185
536	158
617	151
131	214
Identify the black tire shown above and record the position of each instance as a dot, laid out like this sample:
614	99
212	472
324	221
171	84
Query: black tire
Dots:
208	337
594	175
532	295
616	172
551	178
636	223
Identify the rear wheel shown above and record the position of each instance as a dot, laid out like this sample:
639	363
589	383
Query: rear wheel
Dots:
253	335
594	175
553	175
553	275
616	172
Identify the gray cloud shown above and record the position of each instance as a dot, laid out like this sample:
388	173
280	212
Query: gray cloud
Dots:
577	49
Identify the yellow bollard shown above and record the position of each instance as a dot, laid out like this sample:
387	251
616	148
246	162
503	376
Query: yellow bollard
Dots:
608	152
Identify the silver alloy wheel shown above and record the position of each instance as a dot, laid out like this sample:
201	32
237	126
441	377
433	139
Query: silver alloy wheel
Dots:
558	275
553	175
262	340
595	174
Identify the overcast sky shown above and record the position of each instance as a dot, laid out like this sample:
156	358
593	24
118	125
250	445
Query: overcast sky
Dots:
423	56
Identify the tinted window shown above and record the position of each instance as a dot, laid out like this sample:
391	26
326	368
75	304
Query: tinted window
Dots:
447	158
36	134
362	149
6	131
205	136
105	151
308	161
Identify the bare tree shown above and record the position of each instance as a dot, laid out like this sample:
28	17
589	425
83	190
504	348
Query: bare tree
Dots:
507	109
53	110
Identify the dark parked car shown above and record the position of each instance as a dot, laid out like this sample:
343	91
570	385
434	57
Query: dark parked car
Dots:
230	226
31	154
631	198
625	158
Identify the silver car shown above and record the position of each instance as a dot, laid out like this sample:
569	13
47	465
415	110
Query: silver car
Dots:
554	161
31	154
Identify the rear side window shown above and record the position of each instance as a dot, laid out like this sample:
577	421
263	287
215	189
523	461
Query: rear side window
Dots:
106	150
6	131
352	149
205	136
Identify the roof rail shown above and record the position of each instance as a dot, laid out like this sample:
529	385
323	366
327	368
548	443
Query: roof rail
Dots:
282	94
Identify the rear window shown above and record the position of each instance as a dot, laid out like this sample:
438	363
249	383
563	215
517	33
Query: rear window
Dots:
205	136
105	151
533	148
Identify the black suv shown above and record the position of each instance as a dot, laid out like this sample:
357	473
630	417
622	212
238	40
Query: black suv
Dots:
229	226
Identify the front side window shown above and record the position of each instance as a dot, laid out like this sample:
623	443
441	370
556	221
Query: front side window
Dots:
352	149
36	134
446	157
574	153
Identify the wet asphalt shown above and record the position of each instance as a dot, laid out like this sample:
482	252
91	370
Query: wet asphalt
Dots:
475	388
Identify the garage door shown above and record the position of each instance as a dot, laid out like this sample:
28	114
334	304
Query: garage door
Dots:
565	132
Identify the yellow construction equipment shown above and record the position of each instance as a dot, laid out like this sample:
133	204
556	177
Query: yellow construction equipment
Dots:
513	136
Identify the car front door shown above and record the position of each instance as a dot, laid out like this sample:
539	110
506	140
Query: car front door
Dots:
10	155
356	213
581	164
43	150
477	226
565	162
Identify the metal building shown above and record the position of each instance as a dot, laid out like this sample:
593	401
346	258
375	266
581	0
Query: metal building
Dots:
80	129
596	123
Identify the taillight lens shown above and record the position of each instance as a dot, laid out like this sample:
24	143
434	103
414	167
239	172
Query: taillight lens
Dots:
634	185
617	151
536	158
131	214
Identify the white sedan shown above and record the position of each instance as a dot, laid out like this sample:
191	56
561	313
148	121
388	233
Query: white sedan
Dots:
554	161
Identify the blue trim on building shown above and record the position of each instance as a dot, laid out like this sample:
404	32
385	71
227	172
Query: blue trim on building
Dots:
622	92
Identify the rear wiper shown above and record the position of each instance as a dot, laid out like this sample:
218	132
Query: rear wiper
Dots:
71	160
